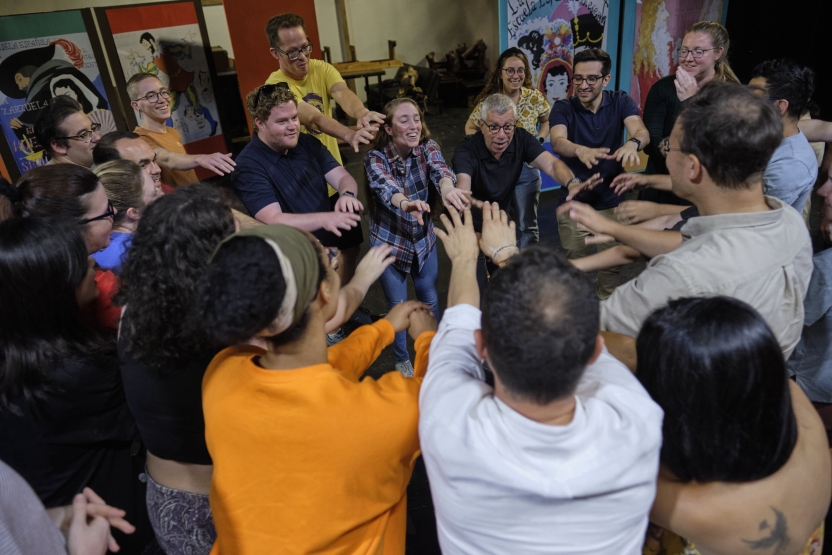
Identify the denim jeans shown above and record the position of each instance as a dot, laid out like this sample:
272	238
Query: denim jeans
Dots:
526	199
394	285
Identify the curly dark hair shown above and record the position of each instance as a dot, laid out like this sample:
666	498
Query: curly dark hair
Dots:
158	281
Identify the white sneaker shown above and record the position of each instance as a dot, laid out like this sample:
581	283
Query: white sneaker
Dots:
406	368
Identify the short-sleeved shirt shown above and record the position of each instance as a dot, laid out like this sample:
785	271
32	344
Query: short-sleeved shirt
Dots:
792	171
602	129
314	89
492	179
530	107
172	141
296	180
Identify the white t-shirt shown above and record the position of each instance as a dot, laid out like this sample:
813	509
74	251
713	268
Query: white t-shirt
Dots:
502	483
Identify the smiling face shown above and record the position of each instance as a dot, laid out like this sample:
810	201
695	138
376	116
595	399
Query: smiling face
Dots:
405	128
281	131
292	39
138	151
159	110
498	142
512	83
704	66
587	93
77	151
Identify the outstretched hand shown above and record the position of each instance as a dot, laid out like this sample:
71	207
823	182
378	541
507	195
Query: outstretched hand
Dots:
373	264
219	163
415	208
459	238
579	186
499	236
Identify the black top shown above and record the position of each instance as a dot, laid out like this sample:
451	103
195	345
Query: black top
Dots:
296	179
492	179
601	129
167	406
81	435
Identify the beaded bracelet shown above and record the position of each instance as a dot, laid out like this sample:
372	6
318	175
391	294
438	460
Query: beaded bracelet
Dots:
504	247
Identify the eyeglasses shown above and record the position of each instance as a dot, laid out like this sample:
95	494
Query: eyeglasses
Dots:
696	52
86	135
295	54
591	79
511	72
110	213
266	90
494	129
153	97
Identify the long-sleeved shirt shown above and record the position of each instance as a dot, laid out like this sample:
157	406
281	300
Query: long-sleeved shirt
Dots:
762	258
389	174
502	483
312	460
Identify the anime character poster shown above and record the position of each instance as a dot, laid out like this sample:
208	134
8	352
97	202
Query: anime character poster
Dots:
43	56
167	42
660	26
550	33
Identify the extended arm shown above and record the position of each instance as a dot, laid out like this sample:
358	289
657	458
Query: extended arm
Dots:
558	171
217	162
353	106
331	221
628	153
563	146
351	295
312	118
816	131
618	255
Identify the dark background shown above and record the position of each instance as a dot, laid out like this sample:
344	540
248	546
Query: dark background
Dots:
796	29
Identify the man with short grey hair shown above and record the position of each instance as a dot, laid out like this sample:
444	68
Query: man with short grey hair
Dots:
488	163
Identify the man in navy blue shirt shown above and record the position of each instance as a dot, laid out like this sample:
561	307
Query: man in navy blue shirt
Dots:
281	176
587	131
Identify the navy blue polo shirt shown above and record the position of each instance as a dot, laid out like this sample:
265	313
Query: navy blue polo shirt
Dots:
603	129
492	179
296	179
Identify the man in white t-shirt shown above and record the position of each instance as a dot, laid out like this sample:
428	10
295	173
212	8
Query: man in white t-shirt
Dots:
562	454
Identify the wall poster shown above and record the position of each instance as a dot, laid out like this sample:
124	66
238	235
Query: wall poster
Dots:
172	44
42	56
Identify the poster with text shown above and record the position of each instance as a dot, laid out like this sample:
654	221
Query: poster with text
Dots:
551	32
166	41
660	26
43	56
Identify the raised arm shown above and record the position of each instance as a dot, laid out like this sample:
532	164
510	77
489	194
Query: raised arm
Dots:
312	118
351	295
217	162
353	106
628	153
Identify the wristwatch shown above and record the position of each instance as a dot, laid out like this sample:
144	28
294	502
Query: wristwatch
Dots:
541	139
638	143
348	194
573	180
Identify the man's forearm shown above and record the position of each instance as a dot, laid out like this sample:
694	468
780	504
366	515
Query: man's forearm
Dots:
560	172
660	182
609	258
648	242
308	222
332	127
175	160
565	147
463	288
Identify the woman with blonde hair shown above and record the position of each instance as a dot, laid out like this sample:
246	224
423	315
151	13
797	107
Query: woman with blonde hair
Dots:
405	171
130	190
512	77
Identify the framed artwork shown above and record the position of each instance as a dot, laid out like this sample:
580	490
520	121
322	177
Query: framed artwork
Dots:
170	41
42	56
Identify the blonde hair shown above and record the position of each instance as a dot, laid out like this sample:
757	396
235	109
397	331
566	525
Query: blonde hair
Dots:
133	84
719	39
123	180
646	50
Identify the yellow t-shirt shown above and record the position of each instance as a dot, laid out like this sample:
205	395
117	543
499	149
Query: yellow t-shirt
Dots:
312	460
172	141
530	106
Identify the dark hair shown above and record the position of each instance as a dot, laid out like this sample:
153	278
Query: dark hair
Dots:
56	190
716	369
9	195
732	132
241	293
282	21
105	149
540	322
49	120
42	263
168	255
495	82
556	70
594	55
533	42
146	36
786	80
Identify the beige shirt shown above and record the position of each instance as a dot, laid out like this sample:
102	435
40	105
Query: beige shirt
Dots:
762	258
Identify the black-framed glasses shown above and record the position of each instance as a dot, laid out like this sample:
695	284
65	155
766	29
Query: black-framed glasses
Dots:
295	53
511	72
266	90
494	129
86	135
110	213
153	97
696	52
591	79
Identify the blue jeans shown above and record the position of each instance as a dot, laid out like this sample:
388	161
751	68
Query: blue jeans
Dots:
394	285
526	198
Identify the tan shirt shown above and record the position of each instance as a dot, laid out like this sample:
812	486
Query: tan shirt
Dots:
762	258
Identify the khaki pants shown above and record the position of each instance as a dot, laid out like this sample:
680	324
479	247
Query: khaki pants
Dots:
572	239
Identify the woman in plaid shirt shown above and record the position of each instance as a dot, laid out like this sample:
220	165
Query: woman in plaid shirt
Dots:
401	167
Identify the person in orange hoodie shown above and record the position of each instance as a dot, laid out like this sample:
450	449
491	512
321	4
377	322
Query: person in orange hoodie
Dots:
307	457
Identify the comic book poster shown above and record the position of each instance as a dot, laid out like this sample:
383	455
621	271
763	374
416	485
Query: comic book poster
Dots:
660	26
43	56
168	43
550	33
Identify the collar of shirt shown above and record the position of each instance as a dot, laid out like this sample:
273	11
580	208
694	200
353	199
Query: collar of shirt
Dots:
393	155
266	151
578	105
701	225
484	153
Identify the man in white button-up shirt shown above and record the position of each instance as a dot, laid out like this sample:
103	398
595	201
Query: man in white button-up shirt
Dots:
561	456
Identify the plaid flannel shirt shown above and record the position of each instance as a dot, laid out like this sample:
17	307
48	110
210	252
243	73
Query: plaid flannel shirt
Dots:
389	174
